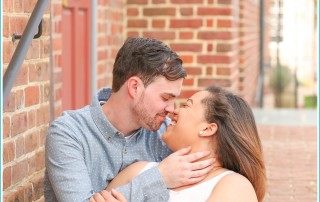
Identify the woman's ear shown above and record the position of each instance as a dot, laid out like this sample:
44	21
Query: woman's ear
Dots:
210	130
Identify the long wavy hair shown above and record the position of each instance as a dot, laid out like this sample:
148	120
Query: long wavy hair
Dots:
238	144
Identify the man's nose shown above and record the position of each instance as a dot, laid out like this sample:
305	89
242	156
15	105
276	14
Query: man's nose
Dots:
170	108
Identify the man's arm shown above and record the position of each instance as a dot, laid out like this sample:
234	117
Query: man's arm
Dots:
65	165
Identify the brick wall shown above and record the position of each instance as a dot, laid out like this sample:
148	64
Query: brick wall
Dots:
216	39
249	49
26	112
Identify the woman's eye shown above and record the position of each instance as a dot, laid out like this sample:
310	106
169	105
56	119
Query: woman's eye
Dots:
184	105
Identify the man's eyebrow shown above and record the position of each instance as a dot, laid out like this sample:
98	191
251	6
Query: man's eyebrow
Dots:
190	100
170	94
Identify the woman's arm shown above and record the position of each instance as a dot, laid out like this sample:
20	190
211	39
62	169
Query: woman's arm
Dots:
126	175
233	187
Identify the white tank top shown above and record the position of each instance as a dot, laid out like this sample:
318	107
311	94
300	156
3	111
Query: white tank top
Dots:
198	193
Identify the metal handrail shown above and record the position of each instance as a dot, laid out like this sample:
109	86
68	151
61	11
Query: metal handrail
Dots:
22	48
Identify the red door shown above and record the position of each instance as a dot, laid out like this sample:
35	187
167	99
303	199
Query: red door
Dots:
75	54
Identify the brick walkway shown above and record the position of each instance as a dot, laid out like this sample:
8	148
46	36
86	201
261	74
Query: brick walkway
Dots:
291	161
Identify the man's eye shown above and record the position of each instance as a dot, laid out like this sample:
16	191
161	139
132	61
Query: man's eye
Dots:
165	99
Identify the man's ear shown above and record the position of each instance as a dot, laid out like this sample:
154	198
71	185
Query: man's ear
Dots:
210	130
134	85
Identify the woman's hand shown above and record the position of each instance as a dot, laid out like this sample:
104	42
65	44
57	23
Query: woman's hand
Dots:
106	196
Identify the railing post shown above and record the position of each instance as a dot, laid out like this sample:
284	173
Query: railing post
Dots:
22	48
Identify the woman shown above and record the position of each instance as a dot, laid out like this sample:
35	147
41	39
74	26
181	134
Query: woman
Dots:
215	120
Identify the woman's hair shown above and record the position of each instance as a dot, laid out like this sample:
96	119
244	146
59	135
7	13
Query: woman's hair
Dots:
146	58
237	141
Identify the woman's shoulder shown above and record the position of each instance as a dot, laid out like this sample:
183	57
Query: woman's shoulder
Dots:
233	187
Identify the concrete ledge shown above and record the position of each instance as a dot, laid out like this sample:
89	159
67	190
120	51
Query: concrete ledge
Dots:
284	117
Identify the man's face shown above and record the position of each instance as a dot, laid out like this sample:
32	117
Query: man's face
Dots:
156	101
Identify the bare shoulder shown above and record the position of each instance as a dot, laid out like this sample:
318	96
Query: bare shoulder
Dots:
233	187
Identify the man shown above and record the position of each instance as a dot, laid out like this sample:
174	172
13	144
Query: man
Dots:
86	148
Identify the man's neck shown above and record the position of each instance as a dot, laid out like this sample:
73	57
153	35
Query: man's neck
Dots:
118	112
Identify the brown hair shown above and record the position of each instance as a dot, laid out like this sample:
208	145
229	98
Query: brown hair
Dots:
238	144
146	58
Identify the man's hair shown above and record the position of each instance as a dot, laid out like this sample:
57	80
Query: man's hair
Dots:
146	58
238	144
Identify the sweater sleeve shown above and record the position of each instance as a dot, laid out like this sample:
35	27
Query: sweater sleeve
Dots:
65	166
147	186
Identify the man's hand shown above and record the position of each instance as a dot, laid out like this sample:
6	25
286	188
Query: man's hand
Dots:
105	196
180	169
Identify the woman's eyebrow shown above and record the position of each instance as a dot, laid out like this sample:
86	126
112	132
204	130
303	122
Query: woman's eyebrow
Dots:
190	100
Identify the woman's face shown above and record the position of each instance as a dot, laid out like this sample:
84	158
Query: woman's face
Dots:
187	122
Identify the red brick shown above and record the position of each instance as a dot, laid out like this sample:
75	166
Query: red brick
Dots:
8	152
18	6
7	5
39	72
158	23
43	114
159	11
10	104
209	47
186	35
45	92
19	123
32	95
6	177
22	77
46	26
158	1
5	27
18	24
6	127
194	23
186	59
7	51
187	1
215	11
161	35
45	48
224	23
137	23
186	47
43	135
34	50
187	93
32	118
216	59
219	82
20	146
132	12
137	2
19	171
214	35
223	71
223	47
37	184
225	2
19	99
209	71
193	70
209	23
29	5
186	11
56	44
188	82
31	141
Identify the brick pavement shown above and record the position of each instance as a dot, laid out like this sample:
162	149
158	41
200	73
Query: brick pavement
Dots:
291	162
